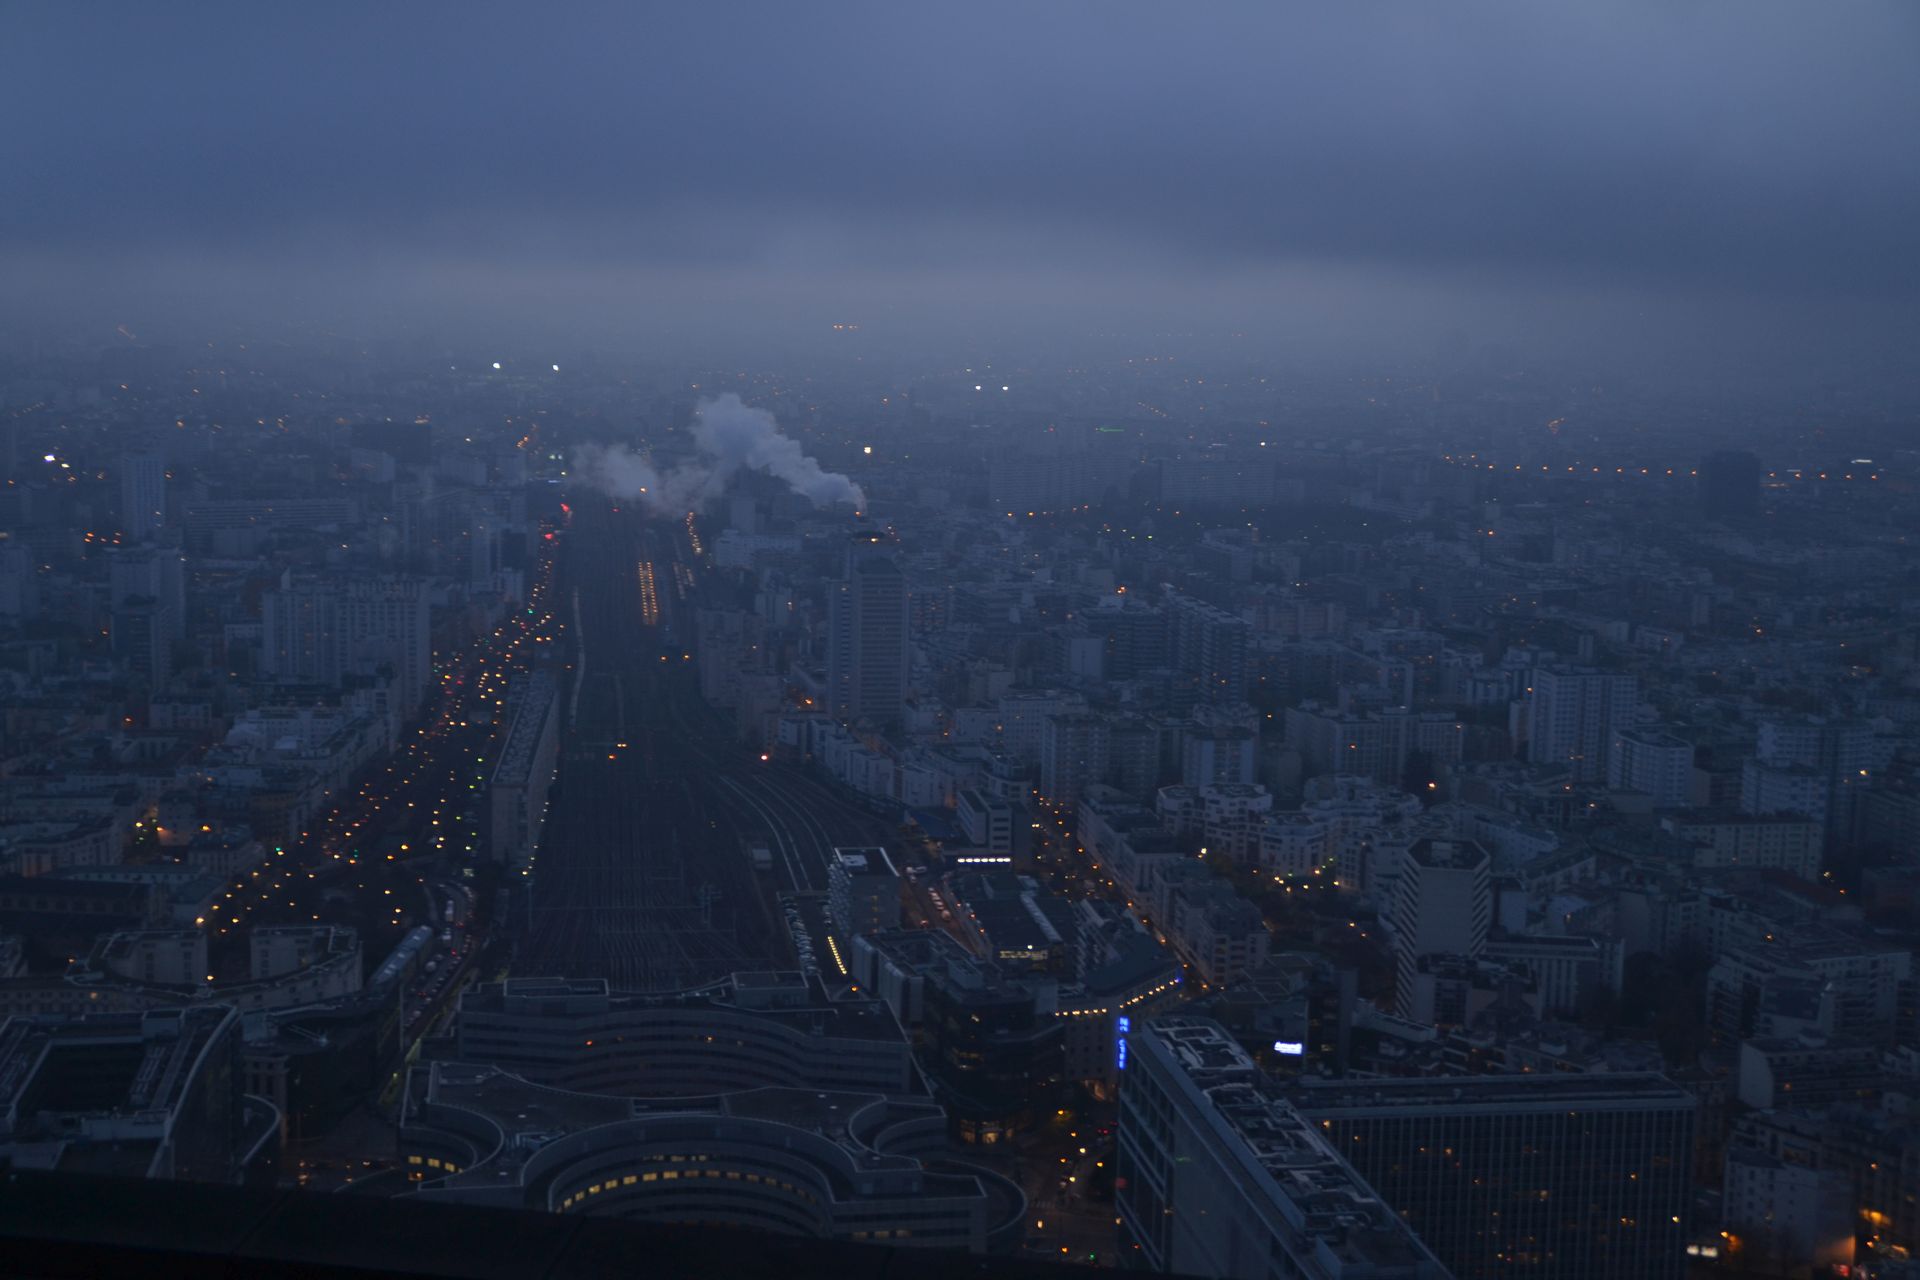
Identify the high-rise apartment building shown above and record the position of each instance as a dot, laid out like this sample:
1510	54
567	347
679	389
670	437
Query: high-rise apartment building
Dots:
320	630
140	639
1571	1175
1653	763
867	641
1768	789
143	493
151	572
1442	906
1211	644
1073	756
1813	766
1573	716
1221	754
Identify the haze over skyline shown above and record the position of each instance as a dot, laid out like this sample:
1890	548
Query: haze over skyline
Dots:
1616	180
1264	638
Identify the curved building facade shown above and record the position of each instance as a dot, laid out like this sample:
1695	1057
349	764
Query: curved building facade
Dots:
834	1165
749	1031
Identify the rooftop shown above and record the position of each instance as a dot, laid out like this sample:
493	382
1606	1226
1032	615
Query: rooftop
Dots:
1339	1210
527	1117
871	860
530	709
1529	1091
67	1077
1461	855
784	996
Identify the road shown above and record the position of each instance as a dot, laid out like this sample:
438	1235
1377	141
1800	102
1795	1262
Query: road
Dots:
414	817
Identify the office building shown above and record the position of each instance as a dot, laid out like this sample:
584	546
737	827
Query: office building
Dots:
1566	1175
987	822
863	891
867	641
993	1052
1218	1175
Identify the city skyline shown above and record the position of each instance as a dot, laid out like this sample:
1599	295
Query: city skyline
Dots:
1250	642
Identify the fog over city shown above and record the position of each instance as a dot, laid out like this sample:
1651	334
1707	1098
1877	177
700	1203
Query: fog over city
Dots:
1616	178
858	639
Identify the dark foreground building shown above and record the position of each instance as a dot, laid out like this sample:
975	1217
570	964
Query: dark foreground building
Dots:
149	1095
839	1166
79	1228
1218	1175
760	1102
1564	1175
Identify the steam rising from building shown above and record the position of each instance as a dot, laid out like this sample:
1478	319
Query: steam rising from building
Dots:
729	437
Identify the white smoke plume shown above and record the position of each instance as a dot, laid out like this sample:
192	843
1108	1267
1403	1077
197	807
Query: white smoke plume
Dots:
730	437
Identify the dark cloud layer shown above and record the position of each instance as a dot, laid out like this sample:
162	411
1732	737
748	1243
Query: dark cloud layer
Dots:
1681	150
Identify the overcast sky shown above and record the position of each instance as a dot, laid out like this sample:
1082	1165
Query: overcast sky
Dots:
1169	164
